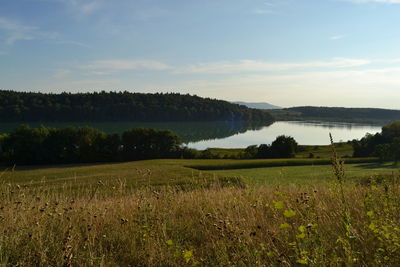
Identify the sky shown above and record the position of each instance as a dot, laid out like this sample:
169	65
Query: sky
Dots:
284	52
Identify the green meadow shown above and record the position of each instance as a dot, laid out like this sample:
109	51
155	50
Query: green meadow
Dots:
174	171
292	212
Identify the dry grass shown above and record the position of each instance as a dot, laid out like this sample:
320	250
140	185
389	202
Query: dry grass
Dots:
218	224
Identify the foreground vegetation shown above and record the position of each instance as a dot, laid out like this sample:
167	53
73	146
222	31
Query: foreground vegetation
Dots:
161	213
219	223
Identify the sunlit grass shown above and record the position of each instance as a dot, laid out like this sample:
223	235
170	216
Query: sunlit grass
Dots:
160	213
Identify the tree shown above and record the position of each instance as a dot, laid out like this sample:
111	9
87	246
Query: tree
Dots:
395	149
143	143
25	145
284	147
384	145
383	152
251	151
264	151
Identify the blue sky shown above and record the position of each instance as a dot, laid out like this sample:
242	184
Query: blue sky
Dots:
286	52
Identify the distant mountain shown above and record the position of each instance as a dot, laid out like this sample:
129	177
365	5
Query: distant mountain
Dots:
257	105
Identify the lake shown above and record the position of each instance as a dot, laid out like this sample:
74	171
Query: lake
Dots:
202	135
305	133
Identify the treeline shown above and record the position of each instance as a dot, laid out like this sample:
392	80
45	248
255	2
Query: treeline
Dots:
120	106
44	145
345	114
282	147
385	145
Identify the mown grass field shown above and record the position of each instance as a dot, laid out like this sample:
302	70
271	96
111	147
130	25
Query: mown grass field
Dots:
163	213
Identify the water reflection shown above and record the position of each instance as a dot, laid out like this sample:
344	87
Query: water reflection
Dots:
305	133
189	132
202	135
332	125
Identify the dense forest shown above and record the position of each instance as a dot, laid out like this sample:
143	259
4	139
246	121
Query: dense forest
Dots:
44	145
120	106
368	115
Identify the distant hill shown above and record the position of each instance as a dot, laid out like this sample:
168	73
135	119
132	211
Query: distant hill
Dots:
367	115
120	106
257	105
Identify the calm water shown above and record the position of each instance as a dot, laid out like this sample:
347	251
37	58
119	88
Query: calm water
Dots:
202	135
305	133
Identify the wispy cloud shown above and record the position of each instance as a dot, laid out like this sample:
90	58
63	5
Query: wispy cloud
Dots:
265	66
66	42
266	8
61	73
319	87
262	11
102	67
83	6
12	31
337	37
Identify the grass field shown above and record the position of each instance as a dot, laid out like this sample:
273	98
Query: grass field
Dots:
163	213
343	150
306	175
175	172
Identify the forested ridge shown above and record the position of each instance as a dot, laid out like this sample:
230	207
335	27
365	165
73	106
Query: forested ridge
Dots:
347	113
120	106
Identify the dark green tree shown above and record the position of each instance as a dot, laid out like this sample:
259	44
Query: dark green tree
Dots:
284	147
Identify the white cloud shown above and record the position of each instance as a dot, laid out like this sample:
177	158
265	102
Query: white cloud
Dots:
265	66
150	13
262	11
368	88
336	85
62	73
90	7
12	32
268	7
85	7
101	67
337	37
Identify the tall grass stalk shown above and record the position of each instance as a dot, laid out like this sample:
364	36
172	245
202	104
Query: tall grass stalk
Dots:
217	222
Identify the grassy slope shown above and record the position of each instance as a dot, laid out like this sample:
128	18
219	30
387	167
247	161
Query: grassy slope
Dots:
343	150
257	225
305	175
172	172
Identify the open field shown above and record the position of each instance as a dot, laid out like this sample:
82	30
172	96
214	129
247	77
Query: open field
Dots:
174	172
306	175
161	213
343	150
